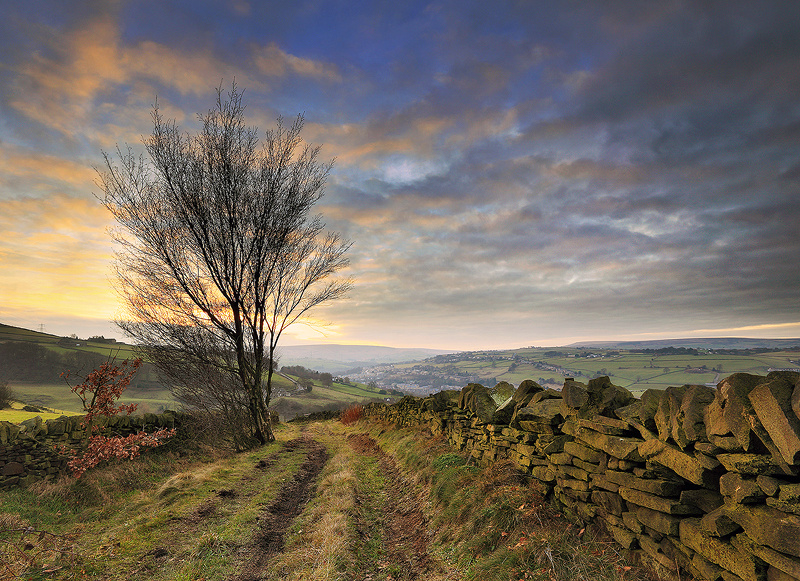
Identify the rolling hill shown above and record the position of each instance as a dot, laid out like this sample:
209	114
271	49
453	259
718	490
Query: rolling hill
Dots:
694	343
343	358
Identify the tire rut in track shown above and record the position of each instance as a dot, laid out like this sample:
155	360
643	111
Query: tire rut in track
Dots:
406	528
276	518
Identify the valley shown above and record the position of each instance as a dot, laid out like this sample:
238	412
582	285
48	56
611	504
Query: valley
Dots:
636	370
368	373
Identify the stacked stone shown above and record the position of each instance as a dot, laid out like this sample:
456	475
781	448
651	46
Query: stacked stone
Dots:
32	450
694	478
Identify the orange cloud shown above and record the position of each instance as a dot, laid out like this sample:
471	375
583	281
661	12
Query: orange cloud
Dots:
32	165
362	143
272	61
194	73
64	91
56	91
419	136
54	258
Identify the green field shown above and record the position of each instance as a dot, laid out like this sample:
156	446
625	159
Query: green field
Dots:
634	371
15	414
58	395
321	398
145	390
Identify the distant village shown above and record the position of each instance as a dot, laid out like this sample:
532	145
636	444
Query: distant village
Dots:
440	373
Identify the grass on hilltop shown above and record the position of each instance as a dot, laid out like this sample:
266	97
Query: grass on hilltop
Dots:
15	414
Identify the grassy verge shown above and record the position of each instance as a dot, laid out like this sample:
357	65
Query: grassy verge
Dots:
162	516
493	524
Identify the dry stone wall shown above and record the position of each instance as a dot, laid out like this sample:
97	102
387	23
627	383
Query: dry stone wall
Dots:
30	451
697	479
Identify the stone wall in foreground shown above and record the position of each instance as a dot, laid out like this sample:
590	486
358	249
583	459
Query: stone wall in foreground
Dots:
30	451
698	479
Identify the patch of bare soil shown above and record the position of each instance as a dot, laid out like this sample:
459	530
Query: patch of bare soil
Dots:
288	504
406	528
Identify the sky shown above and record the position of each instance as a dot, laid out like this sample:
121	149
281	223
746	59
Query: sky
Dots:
510	173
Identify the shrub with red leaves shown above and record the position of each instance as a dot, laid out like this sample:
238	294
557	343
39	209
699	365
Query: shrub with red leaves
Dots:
352	414
103	387
99	393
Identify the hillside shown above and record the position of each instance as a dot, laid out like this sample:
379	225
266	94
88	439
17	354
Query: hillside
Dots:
344	358
293	400
714	343
32	363
374	369
635	369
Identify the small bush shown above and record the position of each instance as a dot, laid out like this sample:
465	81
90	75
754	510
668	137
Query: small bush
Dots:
99	393
6	395
352	414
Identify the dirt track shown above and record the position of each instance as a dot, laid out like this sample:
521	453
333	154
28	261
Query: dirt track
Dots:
400	531
288	504
405	526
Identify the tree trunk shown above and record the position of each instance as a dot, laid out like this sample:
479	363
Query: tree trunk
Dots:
261	428
266	397
265	423
270	436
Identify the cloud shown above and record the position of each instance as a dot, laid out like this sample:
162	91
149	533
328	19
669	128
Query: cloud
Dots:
272	61
502	170
62	86
55	257
91	72
20	169
698	54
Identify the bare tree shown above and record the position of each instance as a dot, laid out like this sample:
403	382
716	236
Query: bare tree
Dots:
220	253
